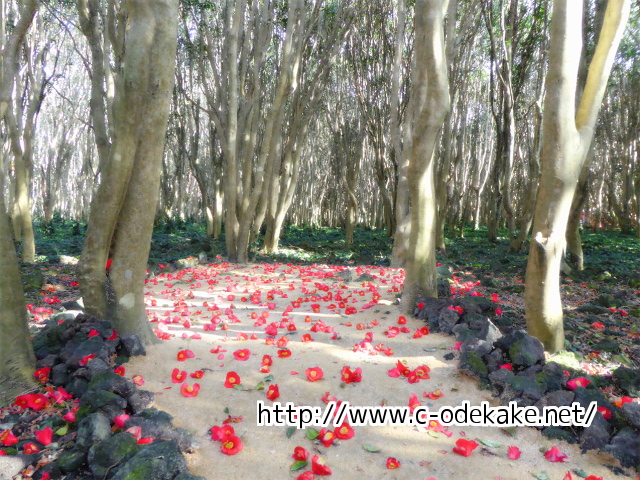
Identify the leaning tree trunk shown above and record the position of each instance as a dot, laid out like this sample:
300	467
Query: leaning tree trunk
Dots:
17	361
432	94
567	136
122	213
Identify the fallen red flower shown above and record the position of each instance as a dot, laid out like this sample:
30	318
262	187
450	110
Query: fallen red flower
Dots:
308	475
242	355
314	374
231	445
300	454
555	455
30	448
84	360
464	447
319	466
7	438
184	354
273	392
514	453
138	380
232	380
197	374
326	437
120	420
44	436
284	353
178	376
119	371
42	374
578	382
344	431
220	433
393	463
189	391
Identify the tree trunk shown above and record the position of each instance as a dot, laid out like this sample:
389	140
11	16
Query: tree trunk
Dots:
567	136
123	210
431	93
17	361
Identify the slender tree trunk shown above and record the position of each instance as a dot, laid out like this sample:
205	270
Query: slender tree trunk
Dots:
432	94
567	136
17	361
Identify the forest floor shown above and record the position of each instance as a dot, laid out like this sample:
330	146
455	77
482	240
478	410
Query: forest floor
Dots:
353	324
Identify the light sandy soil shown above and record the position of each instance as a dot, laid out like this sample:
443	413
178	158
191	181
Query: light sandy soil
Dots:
267	452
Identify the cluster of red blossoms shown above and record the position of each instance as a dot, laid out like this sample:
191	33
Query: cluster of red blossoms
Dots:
412	376
230	443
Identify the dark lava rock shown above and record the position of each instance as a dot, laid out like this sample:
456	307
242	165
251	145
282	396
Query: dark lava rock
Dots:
556	398
501	378
77	387
112	382
71	460
97	365
91	346
93	429
432	307
476	304
524	350
553	376
595	309
188	476
160	427
495	359
140	400
596	435
557	433
105	402
481	347
112	451
584	396
625	446
472	364
49	361
132	346
447	319
631	412
159	461
60	375
628	379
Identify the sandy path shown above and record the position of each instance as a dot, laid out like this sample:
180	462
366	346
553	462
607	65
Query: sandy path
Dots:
194	294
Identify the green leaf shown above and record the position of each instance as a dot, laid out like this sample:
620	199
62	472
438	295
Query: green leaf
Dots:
579	472
63	430
226	410
291	431
433	434
370	448
431	349
623	360
542	476
509	431
489	443
269	378
312	433
260	386
238	387
299	465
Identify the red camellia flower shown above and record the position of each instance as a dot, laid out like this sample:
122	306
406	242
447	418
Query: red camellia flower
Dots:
93	333
402	320
232	380
220	433
7	438
344	431
422	372
606	413
308	475
189	391
393	463
42	374
621	401
464	447
314	374
433	395
30	448
507	366
282	342
242	354
273	392
178	376
44	436
351	376
300	454
555	455
120	420
593	477
119	370
197	374
598	326
231	445
35	401
145	440
84	360
138	380
514	453
70	416
184	354
326	437
319	466
578	382
284	353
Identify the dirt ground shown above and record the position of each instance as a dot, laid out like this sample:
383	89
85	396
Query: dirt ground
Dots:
226	296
